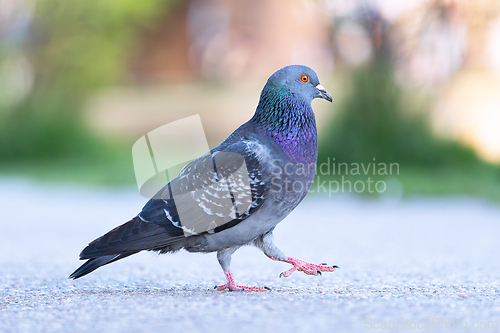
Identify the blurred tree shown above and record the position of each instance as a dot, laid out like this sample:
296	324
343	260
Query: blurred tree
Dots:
74	47
375	121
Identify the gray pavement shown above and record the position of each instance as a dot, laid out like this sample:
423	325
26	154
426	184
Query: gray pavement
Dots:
421	262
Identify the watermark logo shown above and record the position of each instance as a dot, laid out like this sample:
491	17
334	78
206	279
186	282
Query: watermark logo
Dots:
208	193
159	155
289	177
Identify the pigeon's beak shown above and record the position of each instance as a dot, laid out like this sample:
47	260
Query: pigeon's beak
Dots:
323	93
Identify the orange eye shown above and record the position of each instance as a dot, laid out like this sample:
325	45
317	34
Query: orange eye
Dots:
304	78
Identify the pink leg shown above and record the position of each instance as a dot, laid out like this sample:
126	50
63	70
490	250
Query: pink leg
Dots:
308	268
232	286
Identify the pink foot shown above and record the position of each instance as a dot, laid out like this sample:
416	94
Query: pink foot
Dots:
232	286
308	268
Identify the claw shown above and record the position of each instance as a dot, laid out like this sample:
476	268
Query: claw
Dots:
324	264
281	275
335	266
308	268
267	288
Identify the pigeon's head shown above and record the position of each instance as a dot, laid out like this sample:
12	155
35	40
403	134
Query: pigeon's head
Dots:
285	102
296	80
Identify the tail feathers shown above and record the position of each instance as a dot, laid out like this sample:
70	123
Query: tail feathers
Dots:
133	236
123	241
93	264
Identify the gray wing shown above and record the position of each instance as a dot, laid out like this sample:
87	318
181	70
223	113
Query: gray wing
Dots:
212	193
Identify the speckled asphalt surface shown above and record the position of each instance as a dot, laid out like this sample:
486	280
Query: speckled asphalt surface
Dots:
418	265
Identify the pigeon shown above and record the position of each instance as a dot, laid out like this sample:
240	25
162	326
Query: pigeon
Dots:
235	194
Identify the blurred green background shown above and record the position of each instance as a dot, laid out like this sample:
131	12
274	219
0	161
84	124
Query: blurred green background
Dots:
415	83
